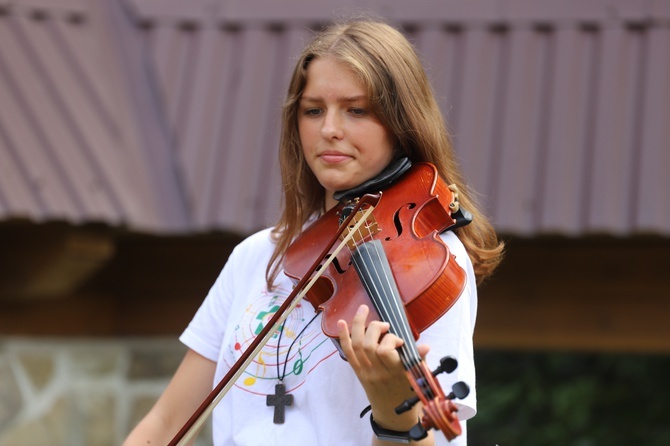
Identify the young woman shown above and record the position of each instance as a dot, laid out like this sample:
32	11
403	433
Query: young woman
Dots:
358	99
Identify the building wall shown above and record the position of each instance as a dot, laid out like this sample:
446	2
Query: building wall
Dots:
135	114
81	392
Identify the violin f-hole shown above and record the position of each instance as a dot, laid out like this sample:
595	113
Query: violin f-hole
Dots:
397	223
337	266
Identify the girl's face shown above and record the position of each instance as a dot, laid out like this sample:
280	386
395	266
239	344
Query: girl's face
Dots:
343	141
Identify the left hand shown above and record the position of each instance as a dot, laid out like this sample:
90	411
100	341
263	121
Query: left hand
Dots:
372	353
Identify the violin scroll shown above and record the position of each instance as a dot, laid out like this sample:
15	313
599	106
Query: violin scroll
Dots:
439	410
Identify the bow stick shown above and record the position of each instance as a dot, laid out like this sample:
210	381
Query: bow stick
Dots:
193	425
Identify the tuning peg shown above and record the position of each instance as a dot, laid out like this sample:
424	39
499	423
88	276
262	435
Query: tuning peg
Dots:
407	405
418	432
447	364
459	390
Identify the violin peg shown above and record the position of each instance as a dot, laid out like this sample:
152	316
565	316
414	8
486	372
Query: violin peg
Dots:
447	364
459	390
407	405
418	432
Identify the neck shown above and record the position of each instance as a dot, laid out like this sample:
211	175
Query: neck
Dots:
329	202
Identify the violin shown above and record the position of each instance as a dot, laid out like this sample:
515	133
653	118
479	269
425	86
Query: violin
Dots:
397	262
389	255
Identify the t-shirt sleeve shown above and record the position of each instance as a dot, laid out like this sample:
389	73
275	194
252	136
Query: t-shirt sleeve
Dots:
452	334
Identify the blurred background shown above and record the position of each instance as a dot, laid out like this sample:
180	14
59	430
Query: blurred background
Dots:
138	144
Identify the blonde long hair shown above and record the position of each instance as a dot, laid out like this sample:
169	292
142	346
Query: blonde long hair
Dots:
402	99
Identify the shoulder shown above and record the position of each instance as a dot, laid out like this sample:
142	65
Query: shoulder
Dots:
457	248
250	255
257	244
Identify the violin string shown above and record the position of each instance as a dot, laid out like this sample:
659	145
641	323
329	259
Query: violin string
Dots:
381	297
381	301
392	306
409	353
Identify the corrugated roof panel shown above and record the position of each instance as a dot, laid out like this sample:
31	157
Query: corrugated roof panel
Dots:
157	200
430	12
257	112
170	11
91	168
651	208
229	124
65	114
87	58
522	141
575	10
570	123
14	199
91	97
252	109
660	10
296	11
614	151
164	115
268	203
217	168
199	147
24	105
165	51
474	121
442	52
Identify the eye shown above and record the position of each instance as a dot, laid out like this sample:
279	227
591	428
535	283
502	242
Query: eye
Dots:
311	111
356	111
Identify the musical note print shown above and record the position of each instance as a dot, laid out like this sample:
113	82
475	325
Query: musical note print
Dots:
306	353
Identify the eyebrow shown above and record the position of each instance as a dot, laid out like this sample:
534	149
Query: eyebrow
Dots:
343	99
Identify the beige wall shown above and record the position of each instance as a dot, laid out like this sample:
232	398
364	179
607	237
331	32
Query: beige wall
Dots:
79	392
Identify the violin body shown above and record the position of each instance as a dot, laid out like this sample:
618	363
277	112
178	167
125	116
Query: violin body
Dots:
410	215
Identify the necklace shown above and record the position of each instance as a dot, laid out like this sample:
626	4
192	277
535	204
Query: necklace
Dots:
280	400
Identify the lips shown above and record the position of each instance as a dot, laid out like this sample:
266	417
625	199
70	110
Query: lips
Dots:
333	157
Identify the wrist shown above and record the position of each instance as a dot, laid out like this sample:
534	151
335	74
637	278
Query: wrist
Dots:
390	435
389	419
388	426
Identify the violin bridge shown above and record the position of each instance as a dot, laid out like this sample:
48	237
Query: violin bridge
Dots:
365	232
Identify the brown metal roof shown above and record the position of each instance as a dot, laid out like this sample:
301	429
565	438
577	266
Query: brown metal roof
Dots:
162	115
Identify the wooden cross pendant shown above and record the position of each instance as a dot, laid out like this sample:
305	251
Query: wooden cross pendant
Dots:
279	400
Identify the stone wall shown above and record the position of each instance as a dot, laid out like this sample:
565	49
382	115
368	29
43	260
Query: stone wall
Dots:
81	392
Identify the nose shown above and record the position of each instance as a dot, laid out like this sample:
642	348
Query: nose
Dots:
332	126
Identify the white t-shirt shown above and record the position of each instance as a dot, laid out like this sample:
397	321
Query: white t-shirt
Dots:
327	397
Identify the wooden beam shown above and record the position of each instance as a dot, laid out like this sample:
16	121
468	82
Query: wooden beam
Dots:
586	294
50	261
149	285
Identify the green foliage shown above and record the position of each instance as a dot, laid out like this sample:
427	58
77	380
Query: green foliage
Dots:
571	399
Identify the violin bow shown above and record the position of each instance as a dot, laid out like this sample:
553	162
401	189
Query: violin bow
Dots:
197	420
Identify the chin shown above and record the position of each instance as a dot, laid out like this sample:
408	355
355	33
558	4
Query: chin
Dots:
334	186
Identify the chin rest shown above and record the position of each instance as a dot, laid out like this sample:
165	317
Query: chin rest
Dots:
387	176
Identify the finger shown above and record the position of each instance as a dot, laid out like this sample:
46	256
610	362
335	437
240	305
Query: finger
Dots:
423	350
391	342
358	325
387	350
345	337
343	333
346	344
374	333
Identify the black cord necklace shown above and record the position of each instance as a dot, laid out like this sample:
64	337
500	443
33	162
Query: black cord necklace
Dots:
280	400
